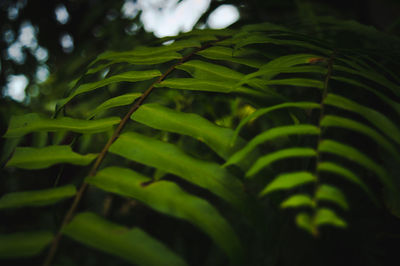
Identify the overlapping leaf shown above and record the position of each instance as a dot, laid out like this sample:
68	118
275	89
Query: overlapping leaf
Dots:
36	197
169	158
38	158
170	199
25	124
24	244
133	245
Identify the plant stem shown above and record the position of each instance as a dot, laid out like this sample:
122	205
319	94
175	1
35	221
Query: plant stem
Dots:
321	116
67	218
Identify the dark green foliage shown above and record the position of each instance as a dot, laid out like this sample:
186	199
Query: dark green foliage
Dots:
250	132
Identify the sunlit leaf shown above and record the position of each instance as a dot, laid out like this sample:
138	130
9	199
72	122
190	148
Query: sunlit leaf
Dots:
38	158
170	199
40	197
133	245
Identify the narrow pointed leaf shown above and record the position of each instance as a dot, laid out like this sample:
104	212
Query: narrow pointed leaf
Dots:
374	117
170	158
121	100
38	158
263	111
282	63
372	76
130	76
336	121
298	200
34	198
254	38
203	85
25	124
24	244
298	82
288	181
163	118
170	199
345	173
326	216
304	221
350	153
228	54
394	104
271	134
332	194
205	70
270	158
133	245
151	51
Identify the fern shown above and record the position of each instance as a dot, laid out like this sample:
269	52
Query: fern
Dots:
300	118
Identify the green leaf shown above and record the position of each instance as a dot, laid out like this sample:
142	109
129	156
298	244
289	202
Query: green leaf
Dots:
326	216
374	117
372	76
303	220
121	100
130	76
284	64
298	82
272	157
41	197
288	181
352	154
394	104
24	244
228	54
170	199
255	38
171	159
298	200
332	194
24	124
205	70
271	134
347	174
163	118
336	121
203	85
38	158
263	111
133	245
150	51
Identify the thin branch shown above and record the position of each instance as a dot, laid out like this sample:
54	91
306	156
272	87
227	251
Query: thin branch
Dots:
67	218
